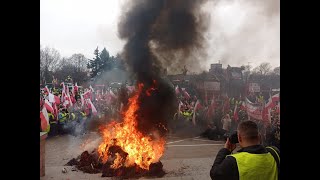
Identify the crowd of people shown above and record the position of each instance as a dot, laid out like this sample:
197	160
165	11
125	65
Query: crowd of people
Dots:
220	115
68	109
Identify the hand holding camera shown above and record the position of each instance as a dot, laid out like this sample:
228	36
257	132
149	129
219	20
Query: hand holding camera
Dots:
231	142
228	145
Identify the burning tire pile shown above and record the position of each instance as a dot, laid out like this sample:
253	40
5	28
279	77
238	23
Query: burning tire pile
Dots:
125	151
90	163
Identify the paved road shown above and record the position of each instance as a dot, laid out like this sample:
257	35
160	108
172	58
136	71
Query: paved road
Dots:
184	158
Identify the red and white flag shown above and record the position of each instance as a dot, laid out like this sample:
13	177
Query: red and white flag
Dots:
276	97
177	90
57	100
180	105
91	89
94	110
185	93
44	119
46	89
82	100
235	113
76	88
51	98
63	93
55	110
270	103
48	106
112	94
196	107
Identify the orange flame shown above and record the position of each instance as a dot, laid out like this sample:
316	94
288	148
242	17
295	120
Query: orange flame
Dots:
142	150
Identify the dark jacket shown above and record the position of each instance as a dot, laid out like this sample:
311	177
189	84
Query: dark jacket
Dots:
226	168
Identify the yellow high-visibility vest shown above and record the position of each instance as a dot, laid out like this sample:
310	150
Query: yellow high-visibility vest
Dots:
256	166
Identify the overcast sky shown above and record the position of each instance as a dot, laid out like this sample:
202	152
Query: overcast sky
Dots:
241	31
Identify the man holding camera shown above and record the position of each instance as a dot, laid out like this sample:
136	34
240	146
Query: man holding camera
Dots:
252	161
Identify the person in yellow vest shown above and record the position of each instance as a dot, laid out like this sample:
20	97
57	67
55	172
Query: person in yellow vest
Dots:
53	125
252	161
62	120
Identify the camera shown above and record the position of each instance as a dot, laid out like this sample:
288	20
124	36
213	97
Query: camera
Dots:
233	138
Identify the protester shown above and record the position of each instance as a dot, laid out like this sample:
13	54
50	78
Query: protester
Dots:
226	122
252	161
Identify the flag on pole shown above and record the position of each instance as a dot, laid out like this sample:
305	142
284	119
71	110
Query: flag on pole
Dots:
185	93
82	100
48	106
57	100
91	89
276	97
196	107
51	98
76	88
177	90
94	110
235	114
44	119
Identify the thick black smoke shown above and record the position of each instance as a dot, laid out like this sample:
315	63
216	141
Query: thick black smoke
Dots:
160	34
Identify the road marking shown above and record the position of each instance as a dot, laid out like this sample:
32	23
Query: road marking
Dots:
181	140
189	145
177	141
202	140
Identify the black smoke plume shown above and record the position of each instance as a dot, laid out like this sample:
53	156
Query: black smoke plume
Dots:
160	35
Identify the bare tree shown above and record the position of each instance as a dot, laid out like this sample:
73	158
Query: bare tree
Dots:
79	61
263	69
49	58
74	66
276	70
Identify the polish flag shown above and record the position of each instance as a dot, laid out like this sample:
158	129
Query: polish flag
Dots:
46	89
205	97
69	97
112	94
185	93
94	110
243	106
76	88
276	97
55	110
180	104
57	100
48	106
82	100
235	114
91	89
44	119
177	90
210	111
63	92
51	98
86	95
40	101
196	107
270	103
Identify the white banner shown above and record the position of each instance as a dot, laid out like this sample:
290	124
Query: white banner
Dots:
254	110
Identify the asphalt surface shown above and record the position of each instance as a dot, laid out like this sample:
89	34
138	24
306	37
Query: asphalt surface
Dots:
184	158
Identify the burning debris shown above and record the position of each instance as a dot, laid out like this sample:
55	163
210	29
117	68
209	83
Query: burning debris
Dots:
92	164
125	151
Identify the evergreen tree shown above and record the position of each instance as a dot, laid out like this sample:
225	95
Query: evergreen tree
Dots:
95	64
105	60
